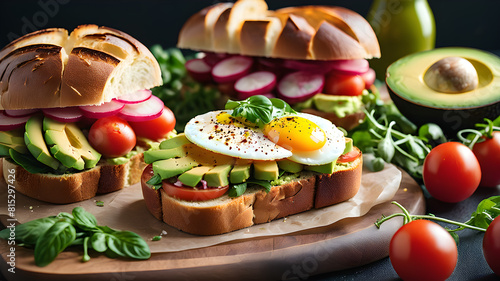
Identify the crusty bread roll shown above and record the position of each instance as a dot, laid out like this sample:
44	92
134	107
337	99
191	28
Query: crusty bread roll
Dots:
70	188
255	206
92	65
309	32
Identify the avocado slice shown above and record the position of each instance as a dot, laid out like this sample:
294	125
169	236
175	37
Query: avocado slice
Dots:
240	173
266	170
218	175
194	176
69	145
422	103
290	166
174	166
327	168
13	139
33	137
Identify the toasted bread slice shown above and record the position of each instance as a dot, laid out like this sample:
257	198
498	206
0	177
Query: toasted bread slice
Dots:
255	206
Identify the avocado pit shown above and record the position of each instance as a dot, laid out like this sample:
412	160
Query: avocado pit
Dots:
452	75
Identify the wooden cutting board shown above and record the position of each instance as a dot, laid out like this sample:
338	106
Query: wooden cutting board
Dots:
345	244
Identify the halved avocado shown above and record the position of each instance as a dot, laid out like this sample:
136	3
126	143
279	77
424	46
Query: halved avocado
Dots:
420	103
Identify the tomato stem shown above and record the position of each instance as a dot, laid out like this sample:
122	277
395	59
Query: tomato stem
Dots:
408	218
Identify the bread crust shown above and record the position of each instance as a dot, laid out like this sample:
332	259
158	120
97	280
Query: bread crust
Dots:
308	32
92	65
71	188
255	206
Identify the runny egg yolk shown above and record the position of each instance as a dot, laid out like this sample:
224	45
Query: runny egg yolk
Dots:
295	133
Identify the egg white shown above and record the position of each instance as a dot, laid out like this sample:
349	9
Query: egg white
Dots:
333	148
241	142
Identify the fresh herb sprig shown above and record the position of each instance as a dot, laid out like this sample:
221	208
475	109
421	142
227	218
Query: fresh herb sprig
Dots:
482	132
51	235
378	135
259	109
487	210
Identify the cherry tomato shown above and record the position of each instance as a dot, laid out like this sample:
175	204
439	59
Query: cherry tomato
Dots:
192	194
349	156
157	128
112	136
423	250
491	245
451	172
343	85
488	155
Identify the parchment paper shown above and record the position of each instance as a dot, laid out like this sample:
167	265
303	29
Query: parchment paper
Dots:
126	210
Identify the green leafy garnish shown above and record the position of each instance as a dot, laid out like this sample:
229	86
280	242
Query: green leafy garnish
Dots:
259	109
155	181
487	210
52	235
238	189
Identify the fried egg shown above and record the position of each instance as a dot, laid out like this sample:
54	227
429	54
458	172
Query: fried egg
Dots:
302	138
220	132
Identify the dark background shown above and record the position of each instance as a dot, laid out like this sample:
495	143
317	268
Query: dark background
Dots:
463	23
458	22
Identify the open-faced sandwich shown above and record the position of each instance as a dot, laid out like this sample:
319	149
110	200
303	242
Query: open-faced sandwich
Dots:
76	112
312	57
256	161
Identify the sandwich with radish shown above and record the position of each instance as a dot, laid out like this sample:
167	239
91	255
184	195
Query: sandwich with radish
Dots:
313	57
77	113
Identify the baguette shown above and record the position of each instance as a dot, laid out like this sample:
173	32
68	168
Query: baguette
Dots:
255	206
247	27
75	187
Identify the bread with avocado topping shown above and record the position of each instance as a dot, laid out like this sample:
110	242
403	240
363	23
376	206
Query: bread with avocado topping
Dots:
290	193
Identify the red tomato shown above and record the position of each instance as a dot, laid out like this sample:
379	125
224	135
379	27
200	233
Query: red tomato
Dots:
488	155
343	85
157	128
491	245
192	194
349	156
423	250
451	172
112	136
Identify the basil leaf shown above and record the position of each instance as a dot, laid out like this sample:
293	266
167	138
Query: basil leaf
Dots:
237	190
53	241
155	181
98	242
128	244
84	220
29	163
487	210
29	232
265	184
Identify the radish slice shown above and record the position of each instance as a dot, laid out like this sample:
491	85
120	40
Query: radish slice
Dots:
213	58
64	114
104	110
350	67
135	97
299	86
20	112
199	70
144	111
8	123
305	65
256	83
231	69
369	77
